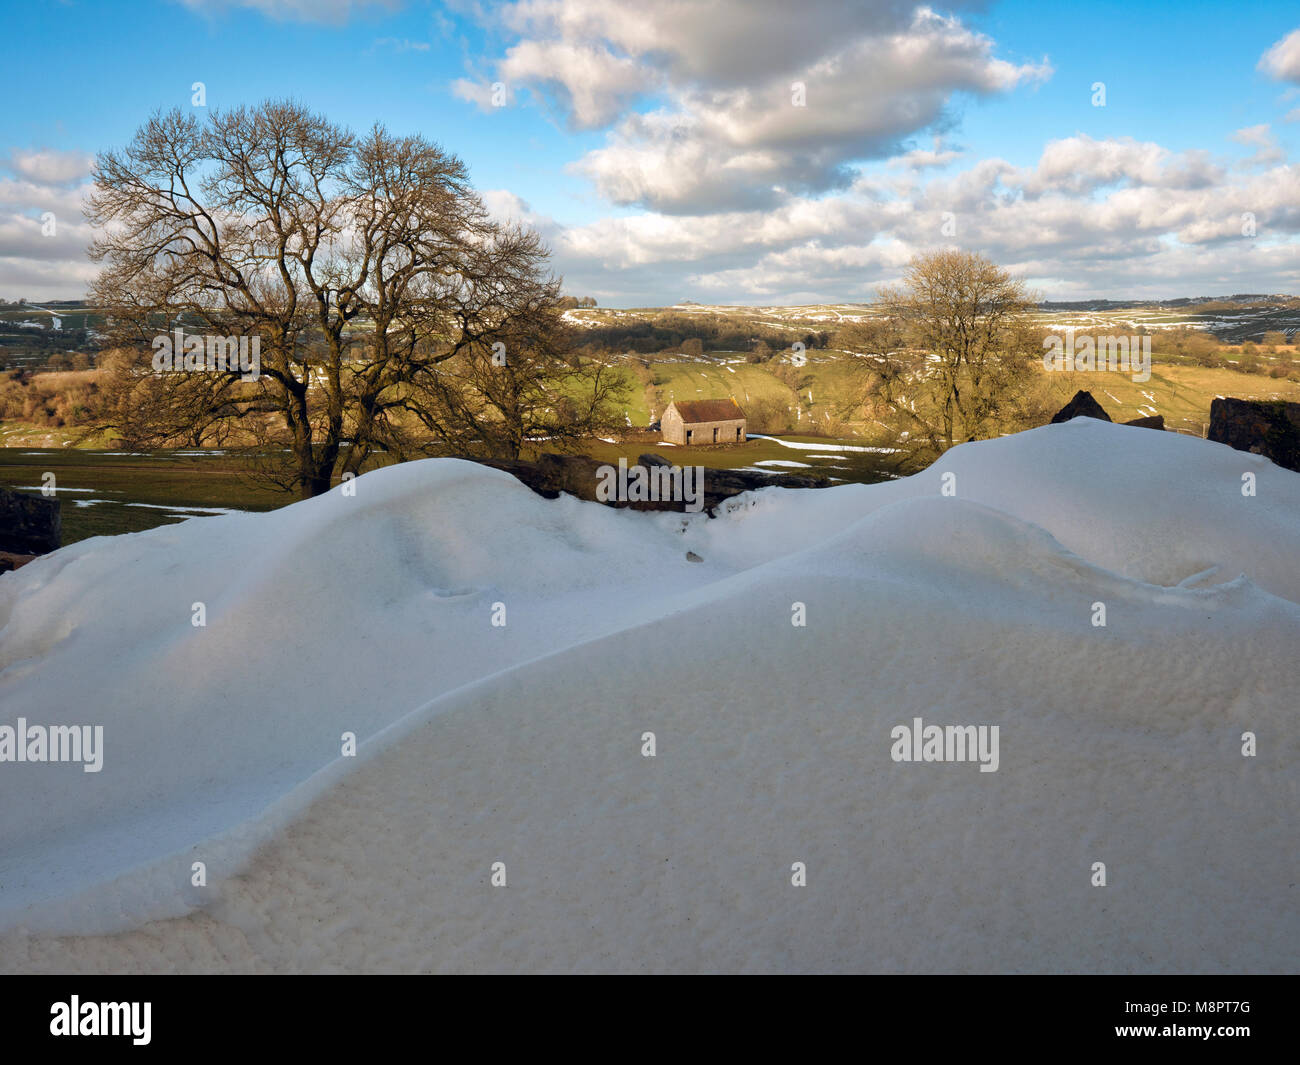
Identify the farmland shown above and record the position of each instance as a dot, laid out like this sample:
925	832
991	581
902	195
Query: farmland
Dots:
807	402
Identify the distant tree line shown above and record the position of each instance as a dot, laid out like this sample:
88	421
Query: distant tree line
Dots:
692	334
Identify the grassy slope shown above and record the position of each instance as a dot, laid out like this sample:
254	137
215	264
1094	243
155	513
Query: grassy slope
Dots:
1181	392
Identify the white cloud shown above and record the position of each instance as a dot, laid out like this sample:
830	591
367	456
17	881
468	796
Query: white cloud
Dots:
1267	150
747	197
47	166
1091	218
1080	163
43	233
593	84
750	107
1282	61
476	92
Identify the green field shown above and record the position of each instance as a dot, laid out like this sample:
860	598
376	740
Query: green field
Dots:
833	460
105	493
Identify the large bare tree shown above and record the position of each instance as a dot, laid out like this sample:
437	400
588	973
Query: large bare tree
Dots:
367	268
968	364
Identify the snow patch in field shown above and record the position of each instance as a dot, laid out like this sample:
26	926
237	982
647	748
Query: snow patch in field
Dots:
178	508
42	488
805	446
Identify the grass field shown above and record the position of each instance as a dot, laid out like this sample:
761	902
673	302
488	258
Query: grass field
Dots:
105	493
833	459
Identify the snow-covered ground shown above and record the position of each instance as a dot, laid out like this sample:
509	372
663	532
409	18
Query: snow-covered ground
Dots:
522	743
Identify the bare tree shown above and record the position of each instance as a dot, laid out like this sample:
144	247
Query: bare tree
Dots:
969	362
367	268
526	389
144	410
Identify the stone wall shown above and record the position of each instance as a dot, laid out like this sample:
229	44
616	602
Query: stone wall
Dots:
1264	427
29	525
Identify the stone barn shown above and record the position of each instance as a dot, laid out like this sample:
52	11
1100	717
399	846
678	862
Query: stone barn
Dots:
703	421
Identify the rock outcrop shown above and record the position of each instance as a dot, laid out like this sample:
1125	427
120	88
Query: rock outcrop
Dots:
1084	405
1081	406
1263	427
1156	421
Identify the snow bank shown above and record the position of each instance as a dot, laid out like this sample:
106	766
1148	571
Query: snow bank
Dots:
523	744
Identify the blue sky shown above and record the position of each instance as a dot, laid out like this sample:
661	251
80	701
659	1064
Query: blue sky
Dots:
658	150
1180	73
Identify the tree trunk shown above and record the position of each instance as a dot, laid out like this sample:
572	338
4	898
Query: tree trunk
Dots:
315	483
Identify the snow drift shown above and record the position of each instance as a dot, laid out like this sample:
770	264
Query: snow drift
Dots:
522	744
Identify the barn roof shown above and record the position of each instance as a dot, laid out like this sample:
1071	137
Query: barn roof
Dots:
708	410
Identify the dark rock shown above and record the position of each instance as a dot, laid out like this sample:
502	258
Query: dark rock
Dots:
721	485
575	474
29	525
1263	427
1156	421
1081	406
524	471
578	475
691	556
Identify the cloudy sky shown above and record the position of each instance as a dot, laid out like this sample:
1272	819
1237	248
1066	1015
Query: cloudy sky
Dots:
730	151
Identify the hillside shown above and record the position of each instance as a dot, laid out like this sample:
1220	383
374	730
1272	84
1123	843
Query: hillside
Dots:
1241	346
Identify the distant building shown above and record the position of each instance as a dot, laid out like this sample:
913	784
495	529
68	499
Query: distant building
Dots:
703	421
